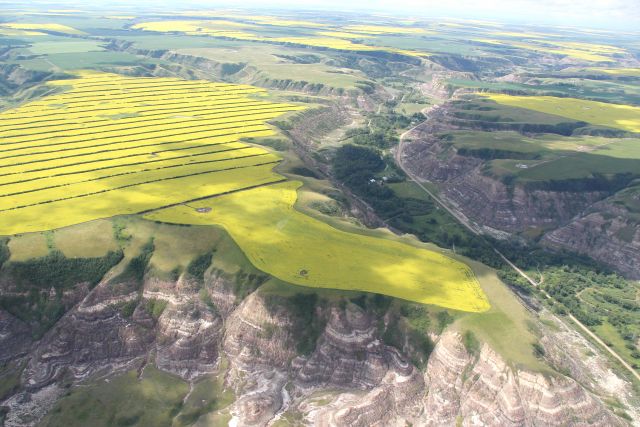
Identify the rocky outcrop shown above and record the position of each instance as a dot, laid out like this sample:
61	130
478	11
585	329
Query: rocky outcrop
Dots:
92	337
350	377
190	66
484	390
14	78
608	232
459	388
484	199
491	203
188	340
350	354
15	337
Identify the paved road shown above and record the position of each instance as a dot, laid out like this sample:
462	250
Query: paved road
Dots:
463	220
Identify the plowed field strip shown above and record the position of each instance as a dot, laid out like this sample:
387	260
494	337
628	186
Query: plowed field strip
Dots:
8	185
178	108
35	201
140	130
24	188
213	118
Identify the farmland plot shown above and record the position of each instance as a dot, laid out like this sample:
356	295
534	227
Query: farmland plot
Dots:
115	145
170	148
624	117
301	250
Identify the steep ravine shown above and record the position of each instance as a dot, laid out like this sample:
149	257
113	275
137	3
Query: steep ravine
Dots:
593	223
345	376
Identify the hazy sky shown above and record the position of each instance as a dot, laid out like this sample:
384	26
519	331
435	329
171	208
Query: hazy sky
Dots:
613	14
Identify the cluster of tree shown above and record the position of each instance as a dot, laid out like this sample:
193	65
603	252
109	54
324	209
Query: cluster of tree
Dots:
199	265
307	322
382	130
59	271
366	86
137	267
358	168
4	251
229	68
38	309
302	58
569	284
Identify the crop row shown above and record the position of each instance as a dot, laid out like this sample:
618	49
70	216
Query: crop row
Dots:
30	196
132	185
149	111
53	163
106	149
213	118
120	94
194	139
221	144
55	108
75	171
133	199
128	144
132	82
134	131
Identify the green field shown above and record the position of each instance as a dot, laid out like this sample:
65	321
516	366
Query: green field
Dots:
484	109
153	399
596	90
64	46
622	117
279	64
549	157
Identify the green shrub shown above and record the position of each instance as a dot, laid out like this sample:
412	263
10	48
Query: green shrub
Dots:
60	272
199	266
471	343
137	267
155	307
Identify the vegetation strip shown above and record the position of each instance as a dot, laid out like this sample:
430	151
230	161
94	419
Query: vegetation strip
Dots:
138	184
131	173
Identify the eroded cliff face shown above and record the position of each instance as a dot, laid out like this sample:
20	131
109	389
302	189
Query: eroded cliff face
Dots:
594	223
458	388
484	390
607	232
348	376
15	337
483	199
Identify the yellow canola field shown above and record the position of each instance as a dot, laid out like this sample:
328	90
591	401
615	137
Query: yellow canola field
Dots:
231	123
336	41
37	28
64	189
383	29
301	250
224	154
131	200
100	148
107	146
625	117
635	72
